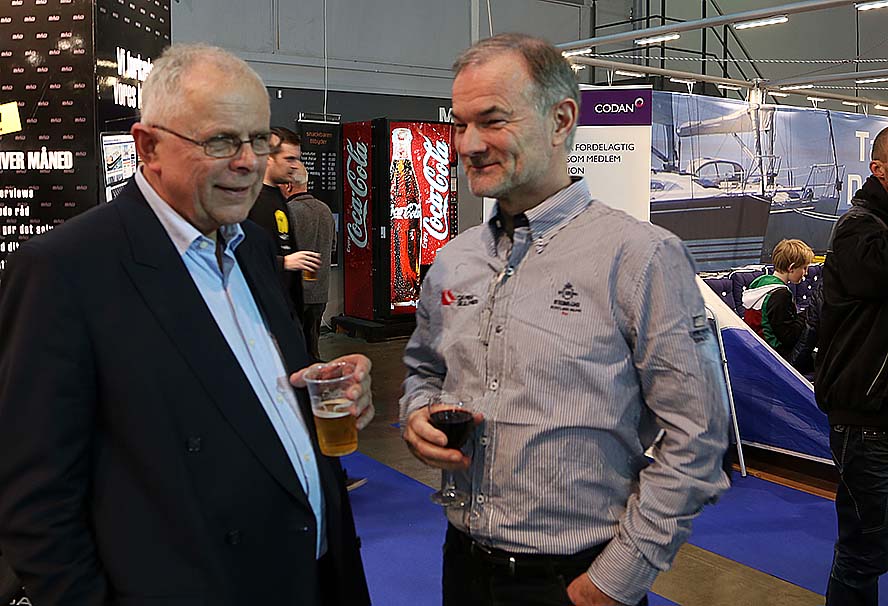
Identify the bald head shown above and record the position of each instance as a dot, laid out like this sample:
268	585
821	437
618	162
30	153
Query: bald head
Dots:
880	146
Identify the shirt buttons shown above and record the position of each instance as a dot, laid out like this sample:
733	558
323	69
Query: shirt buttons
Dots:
499	329
203	245
510	271
480	499
193	444
493	385
484	441
306	458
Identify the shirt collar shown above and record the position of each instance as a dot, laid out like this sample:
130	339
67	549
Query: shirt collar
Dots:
550	215
181	232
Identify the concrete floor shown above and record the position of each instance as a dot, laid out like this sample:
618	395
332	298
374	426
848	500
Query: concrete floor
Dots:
697	578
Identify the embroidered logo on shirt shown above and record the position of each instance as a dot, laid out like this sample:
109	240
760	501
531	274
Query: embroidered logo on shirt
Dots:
448	297
565	302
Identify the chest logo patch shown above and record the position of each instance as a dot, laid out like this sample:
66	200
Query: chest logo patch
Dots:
566	302
448	297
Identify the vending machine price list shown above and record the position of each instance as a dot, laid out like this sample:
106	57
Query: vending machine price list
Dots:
320	154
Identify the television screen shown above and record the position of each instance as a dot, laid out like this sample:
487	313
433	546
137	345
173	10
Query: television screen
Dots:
119	162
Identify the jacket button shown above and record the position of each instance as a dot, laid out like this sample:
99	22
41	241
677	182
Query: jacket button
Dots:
193	444
306	528
233	537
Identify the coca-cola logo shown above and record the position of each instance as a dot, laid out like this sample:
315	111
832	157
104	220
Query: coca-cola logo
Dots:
437	175
356	173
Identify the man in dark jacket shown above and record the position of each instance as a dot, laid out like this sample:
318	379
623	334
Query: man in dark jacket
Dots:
852	385
147	356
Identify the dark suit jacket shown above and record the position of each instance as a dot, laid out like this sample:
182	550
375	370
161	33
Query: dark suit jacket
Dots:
138	467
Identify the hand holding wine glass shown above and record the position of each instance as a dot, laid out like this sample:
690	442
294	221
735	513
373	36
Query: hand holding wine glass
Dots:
452	416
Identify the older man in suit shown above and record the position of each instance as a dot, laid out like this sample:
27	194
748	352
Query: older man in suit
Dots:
161	453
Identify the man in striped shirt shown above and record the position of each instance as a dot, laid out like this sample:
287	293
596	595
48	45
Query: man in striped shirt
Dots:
578	333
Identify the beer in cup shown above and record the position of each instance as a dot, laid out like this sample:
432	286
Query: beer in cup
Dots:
327	386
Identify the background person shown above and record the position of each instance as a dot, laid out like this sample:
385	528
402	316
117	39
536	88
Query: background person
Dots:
583	333
315	230
852	385
771	311
161	454
270	211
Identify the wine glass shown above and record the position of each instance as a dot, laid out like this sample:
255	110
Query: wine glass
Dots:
453	416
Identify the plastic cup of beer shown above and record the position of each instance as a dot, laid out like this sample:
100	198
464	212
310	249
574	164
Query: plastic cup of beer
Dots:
327	386
309	275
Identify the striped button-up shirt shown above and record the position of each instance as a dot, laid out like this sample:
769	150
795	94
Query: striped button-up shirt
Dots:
577	340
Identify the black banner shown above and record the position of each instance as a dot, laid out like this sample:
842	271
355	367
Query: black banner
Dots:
130	35
48	167
50	111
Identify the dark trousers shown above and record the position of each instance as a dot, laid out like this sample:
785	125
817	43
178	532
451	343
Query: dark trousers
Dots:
478	576
861	553
312	314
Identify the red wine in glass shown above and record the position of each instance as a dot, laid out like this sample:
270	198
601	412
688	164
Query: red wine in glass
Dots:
456	424
452	416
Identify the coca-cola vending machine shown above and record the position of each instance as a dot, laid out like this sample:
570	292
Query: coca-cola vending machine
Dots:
399	209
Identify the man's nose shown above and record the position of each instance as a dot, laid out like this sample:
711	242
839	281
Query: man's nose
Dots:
245	158
470	142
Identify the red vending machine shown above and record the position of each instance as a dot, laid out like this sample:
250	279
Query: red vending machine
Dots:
399	209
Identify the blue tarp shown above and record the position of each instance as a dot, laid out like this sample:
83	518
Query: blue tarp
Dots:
774	406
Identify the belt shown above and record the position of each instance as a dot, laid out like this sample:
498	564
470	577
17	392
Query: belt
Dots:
504	563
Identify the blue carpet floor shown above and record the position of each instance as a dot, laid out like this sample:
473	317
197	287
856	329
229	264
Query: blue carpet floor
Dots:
401	533
784	532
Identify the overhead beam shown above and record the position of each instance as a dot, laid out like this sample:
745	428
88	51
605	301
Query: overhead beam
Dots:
820	78
760	84
685	26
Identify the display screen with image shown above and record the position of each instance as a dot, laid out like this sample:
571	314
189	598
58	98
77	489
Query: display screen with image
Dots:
119	162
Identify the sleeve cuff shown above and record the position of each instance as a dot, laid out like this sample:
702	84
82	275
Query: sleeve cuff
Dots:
622	572
416	402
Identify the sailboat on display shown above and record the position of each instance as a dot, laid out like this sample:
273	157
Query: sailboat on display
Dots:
734	198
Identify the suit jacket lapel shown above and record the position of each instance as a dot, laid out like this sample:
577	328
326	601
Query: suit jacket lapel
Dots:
291	343
161	277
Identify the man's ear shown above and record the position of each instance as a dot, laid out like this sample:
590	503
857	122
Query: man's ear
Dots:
146	143
877	167
565	115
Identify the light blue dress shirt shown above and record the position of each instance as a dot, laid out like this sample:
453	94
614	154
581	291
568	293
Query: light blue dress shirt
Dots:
229	299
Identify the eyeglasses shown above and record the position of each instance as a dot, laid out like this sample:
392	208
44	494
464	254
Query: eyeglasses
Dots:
227	146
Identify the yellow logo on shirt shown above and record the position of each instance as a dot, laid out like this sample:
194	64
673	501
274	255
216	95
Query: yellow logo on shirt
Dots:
283	225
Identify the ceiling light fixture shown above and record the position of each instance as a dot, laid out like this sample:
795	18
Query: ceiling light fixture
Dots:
882	107
575	53
868	6
850	103
797	87
762	22
774	93
628	74
662	38
871	80
727	87
682	81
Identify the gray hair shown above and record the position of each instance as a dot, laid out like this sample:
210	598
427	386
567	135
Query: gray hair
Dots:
553	78
162	90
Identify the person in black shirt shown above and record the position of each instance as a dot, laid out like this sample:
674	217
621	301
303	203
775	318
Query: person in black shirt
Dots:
852	385
270	211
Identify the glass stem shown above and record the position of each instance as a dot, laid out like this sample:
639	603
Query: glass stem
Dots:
449	486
